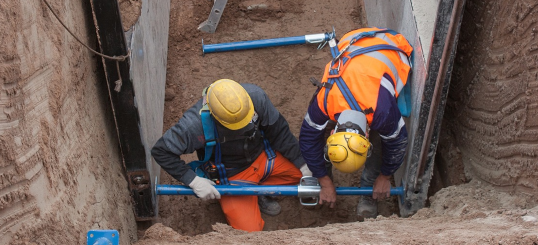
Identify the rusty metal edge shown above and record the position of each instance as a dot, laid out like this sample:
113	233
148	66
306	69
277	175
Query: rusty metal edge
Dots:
111	39
443	51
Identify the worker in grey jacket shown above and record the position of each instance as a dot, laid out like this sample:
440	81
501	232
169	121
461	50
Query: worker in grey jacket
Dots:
254	146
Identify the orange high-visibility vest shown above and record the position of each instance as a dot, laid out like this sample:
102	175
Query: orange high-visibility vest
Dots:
360	60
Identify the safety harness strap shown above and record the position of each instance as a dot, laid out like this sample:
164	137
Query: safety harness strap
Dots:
271	155
347	94
336	53
336	78
220	167
335	73
334	47
371	49
210	142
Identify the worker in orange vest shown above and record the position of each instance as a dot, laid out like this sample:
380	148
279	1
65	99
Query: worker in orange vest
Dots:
359	92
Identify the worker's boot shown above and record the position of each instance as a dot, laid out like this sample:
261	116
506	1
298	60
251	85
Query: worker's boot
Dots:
268	205
367	208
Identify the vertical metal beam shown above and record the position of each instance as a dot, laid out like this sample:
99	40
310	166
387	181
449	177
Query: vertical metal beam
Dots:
443	50
111	39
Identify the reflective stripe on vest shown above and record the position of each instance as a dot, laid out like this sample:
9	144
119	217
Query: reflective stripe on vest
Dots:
313	124
383	58
383	67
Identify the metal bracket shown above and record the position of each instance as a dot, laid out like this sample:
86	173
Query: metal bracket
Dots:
308	188
140	187
139	179
328	37
210	25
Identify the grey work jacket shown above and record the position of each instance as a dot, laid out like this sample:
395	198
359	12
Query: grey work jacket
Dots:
238	153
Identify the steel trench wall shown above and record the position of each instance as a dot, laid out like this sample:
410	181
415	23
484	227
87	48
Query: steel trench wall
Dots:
136	89
434	38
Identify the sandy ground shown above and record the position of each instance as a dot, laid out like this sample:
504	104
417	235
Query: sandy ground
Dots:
130	12
60	169
471	213
282	72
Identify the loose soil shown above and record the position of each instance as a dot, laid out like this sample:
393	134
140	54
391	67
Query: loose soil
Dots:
283	72
470	213
491	119
473	213
60	167
130	11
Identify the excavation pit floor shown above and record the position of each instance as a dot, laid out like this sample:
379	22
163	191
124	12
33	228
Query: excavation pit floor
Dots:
469	213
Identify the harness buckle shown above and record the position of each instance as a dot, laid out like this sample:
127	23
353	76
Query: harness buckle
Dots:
342	52
212	142
253	134
352	41
334	72
212	172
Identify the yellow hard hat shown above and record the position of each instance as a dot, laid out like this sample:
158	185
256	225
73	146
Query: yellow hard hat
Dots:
347	151
348	148
230	104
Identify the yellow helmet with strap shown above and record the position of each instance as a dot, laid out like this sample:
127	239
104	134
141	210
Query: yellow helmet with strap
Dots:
229	104
348	148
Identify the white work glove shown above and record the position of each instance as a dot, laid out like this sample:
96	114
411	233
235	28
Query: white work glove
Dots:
305	171
204	188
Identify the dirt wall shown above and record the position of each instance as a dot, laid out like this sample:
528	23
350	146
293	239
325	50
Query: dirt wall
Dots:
491	124
60	168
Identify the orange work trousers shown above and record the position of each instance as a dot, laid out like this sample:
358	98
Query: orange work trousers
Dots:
243	212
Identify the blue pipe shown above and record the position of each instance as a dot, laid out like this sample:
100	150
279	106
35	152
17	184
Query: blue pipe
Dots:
263	43
230	190
272	190
103	237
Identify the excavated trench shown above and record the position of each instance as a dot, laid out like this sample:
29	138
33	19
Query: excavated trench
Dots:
284	71
60	164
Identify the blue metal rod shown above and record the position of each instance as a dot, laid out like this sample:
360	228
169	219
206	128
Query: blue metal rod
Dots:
272	190
264	43
230	190
366	191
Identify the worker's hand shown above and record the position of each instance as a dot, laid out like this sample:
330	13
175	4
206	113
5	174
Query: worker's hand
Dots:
204	188
381	187
327	193
305	171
